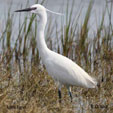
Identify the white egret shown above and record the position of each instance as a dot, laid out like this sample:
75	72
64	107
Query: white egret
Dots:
63	70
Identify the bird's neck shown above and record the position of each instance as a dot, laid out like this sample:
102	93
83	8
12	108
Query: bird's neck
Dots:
42	47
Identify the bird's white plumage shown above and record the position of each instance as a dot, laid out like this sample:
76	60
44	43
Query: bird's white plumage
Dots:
67	72
62	69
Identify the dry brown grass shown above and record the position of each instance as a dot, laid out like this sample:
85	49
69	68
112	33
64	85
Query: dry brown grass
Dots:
37	93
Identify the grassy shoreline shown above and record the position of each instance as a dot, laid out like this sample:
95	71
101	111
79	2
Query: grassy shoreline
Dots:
25	86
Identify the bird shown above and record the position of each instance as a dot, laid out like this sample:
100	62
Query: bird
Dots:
63	70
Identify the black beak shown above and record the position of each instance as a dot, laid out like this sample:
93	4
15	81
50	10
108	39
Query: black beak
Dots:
26	10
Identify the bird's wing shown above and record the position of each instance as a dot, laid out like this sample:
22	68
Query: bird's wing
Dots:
67	72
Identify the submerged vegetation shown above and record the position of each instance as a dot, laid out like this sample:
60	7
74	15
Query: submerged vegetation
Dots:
25	86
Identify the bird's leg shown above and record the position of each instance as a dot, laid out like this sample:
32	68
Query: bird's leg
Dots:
70	94
59	94
59	91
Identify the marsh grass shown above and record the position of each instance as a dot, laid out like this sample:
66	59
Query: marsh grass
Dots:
24	83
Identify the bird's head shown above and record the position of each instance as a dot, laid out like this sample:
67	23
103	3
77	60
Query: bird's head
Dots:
36	9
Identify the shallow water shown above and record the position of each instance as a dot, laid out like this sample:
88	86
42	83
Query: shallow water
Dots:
60	6
57	6
98	8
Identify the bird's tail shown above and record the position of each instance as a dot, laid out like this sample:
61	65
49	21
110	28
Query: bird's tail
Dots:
92	83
